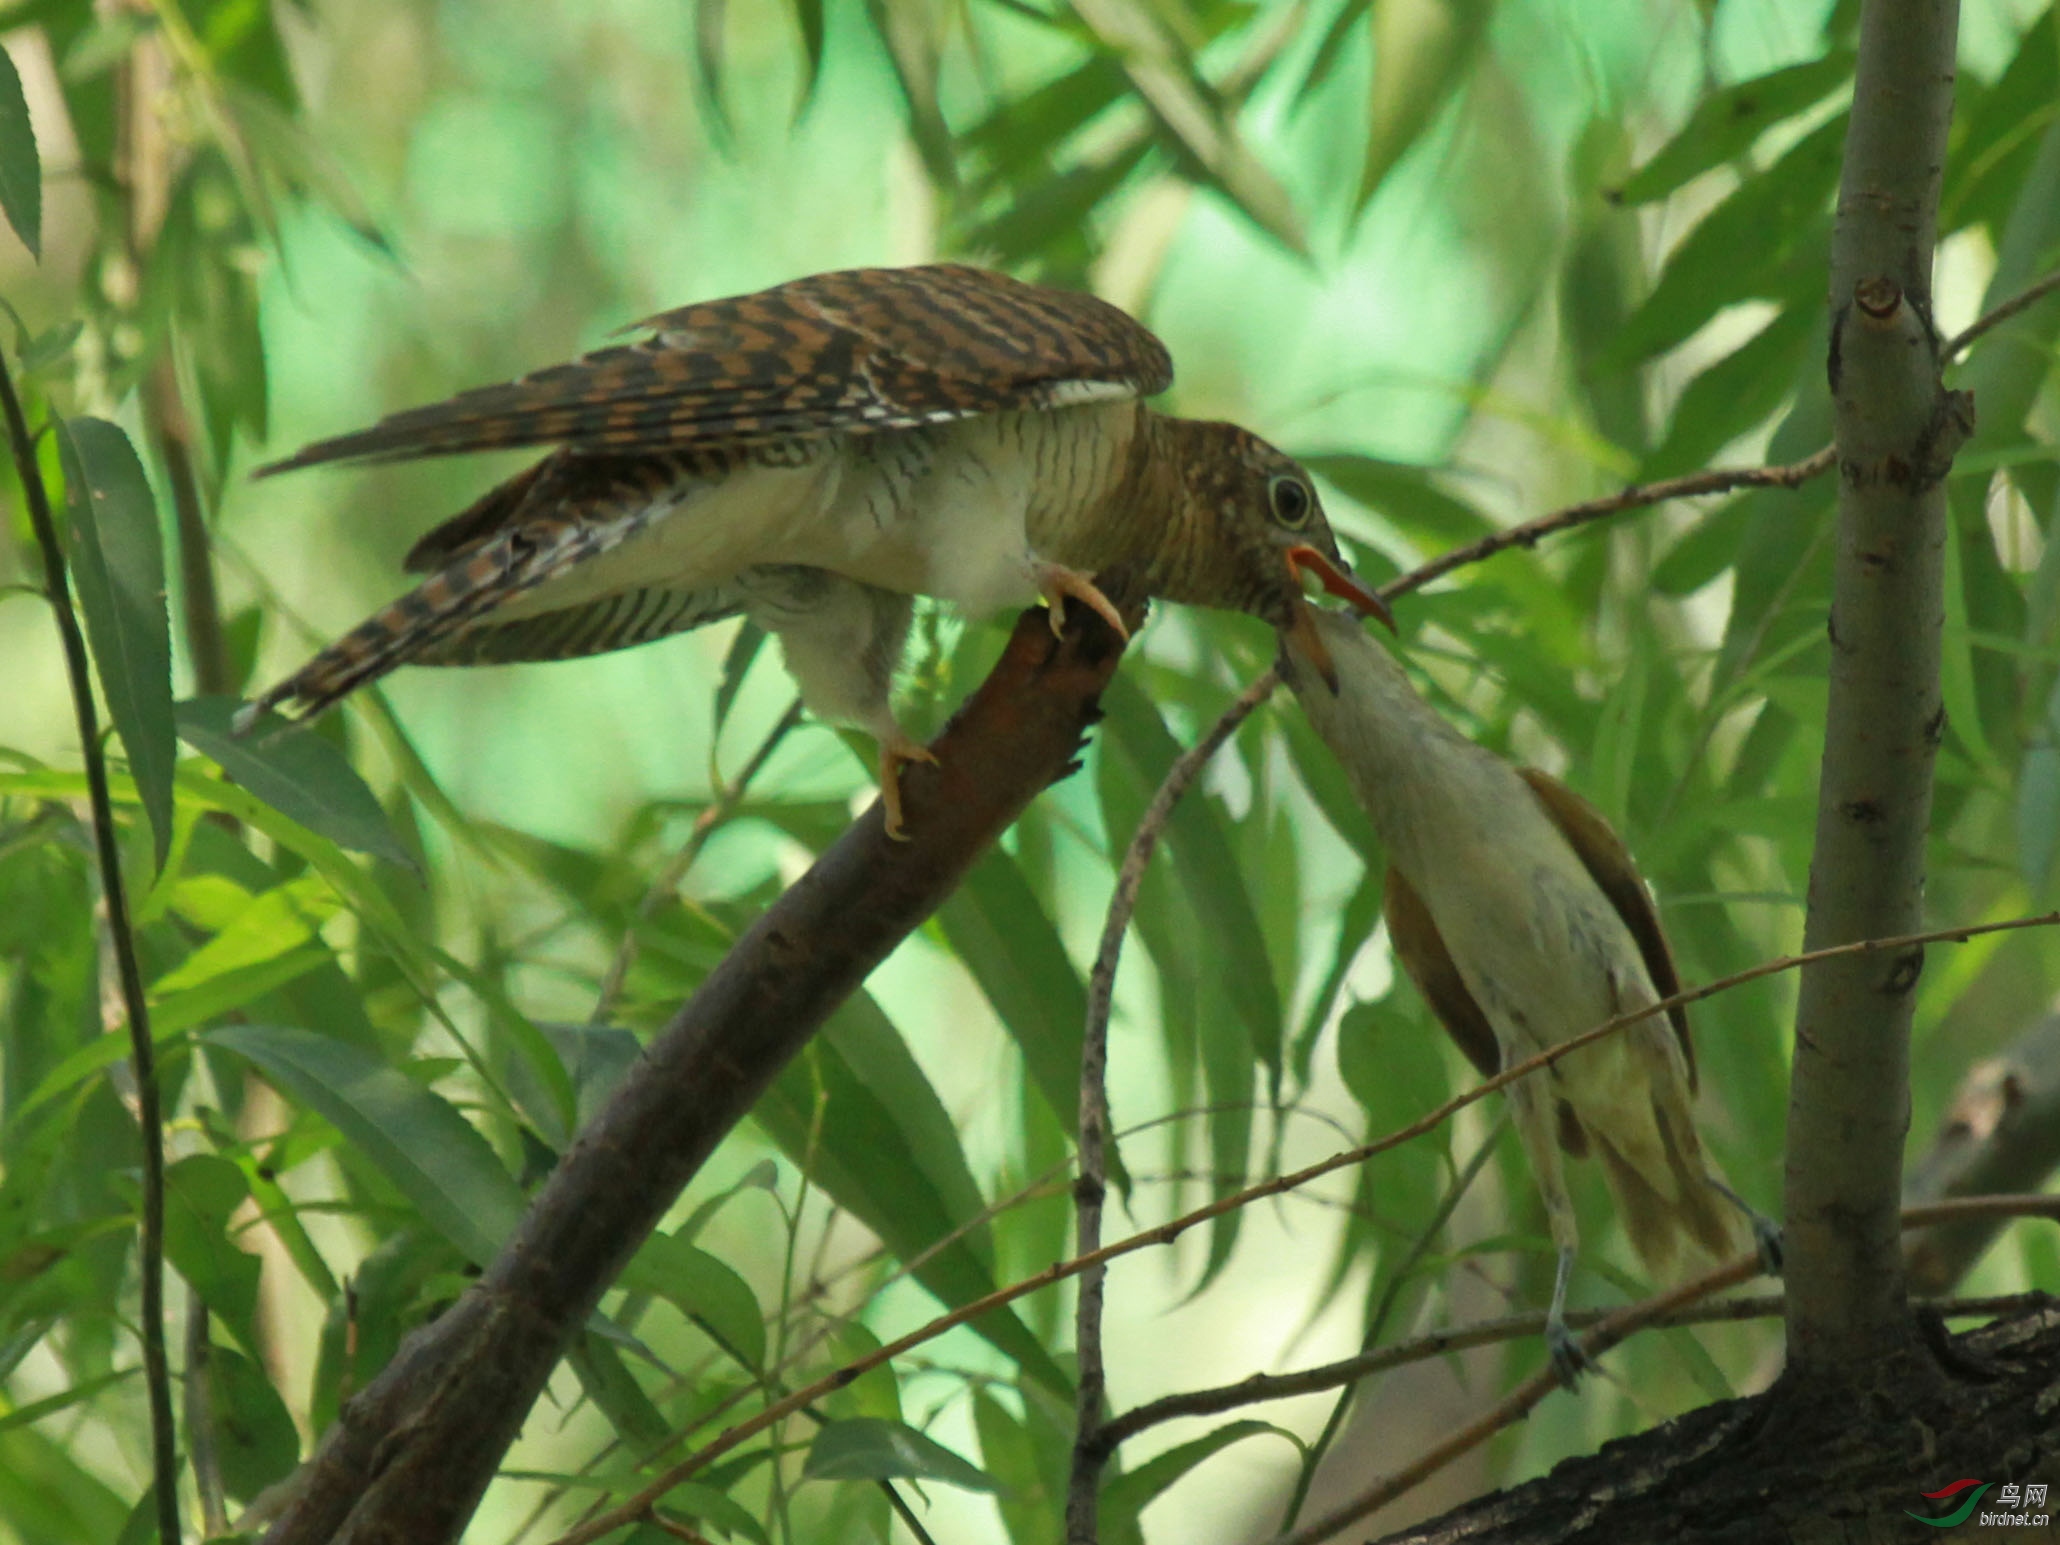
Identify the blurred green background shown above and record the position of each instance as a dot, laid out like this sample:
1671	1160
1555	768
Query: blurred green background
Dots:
1404	241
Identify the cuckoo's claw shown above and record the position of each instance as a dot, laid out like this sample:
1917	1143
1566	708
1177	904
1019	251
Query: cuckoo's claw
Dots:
1055	583
896	753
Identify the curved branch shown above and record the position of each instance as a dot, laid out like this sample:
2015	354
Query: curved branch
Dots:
1089	1453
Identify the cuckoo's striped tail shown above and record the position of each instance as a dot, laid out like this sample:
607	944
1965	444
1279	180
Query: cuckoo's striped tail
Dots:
441	606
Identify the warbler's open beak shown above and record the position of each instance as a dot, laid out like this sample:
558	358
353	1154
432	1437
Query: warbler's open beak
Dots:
1301	632
1338	581
1302	637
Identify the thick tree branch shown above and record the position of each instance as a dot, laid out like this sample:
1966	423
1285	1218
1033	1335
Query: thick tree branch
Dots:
1703	1480
1260	1388
410	1456
1896	431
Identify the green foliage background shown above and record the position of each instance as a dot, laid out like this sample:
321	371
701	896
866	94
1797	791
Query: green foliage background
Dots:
1471	260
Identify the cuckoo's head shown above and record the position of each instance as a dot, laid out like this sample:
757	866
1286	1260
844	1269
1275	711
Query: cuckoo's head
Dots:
1267	531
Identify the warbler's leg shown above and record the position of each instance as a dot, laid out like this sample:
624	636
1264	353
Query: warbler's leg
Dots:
1055	583
1766	1233
1535	1126
1568	1360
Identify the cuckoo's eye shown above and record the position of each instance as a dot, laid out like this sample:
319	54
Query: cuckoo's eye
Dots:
1293	503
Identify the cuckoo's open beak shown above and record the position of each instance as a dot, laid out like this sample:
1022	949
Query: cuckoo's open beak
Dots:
1338	581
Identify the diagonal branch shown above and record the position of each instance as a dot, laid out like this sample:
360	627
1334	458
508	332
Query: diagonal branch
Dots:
410	1456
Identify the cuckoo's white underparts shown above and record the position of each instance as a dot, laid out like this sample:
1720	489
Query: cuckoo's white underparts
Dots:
1520	917
815	454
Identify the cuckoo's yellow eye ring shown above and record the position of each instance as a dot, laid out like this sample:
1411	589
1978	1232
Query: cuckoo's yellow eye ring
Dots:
1292	501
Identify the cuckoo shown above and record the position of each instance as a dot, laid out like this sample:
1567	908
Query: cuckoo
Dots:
1518	914
813	456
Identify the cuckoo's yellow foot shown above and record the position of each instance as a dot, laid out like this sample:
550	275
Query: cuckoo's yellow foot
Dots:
1518	914
813	455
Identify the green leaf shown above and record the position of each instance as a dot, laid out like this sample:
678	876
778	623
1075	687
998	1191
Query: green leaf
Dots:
1188	109
202	1192
997	926
913	50
415	1137
707	1291
266	927
1725	123
1738	392
1027	1497
223	992
1997	135
1764	241
608	1382
1209	873
118	558
1407	496
869	1448
1127	1495
736	665
809	14
1422	53
2038	800
1357	920
254	1435
21	177
1704	551
708	29
887	1151
297	773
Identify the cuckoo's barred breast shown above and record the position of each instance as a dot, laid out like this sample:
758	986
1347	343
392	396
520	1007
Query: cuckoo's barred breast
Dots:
855	352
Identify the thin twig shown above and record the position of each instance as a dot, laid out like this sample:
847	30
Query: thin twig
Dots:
1719	480
2023	300
1083	1491
1166	1233
713	815
142	1050
1613	1329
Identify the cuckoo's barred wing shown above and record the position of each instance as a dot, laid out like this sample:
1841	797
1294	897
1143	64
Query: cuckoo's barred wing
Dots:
619	621
857	351
438	609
